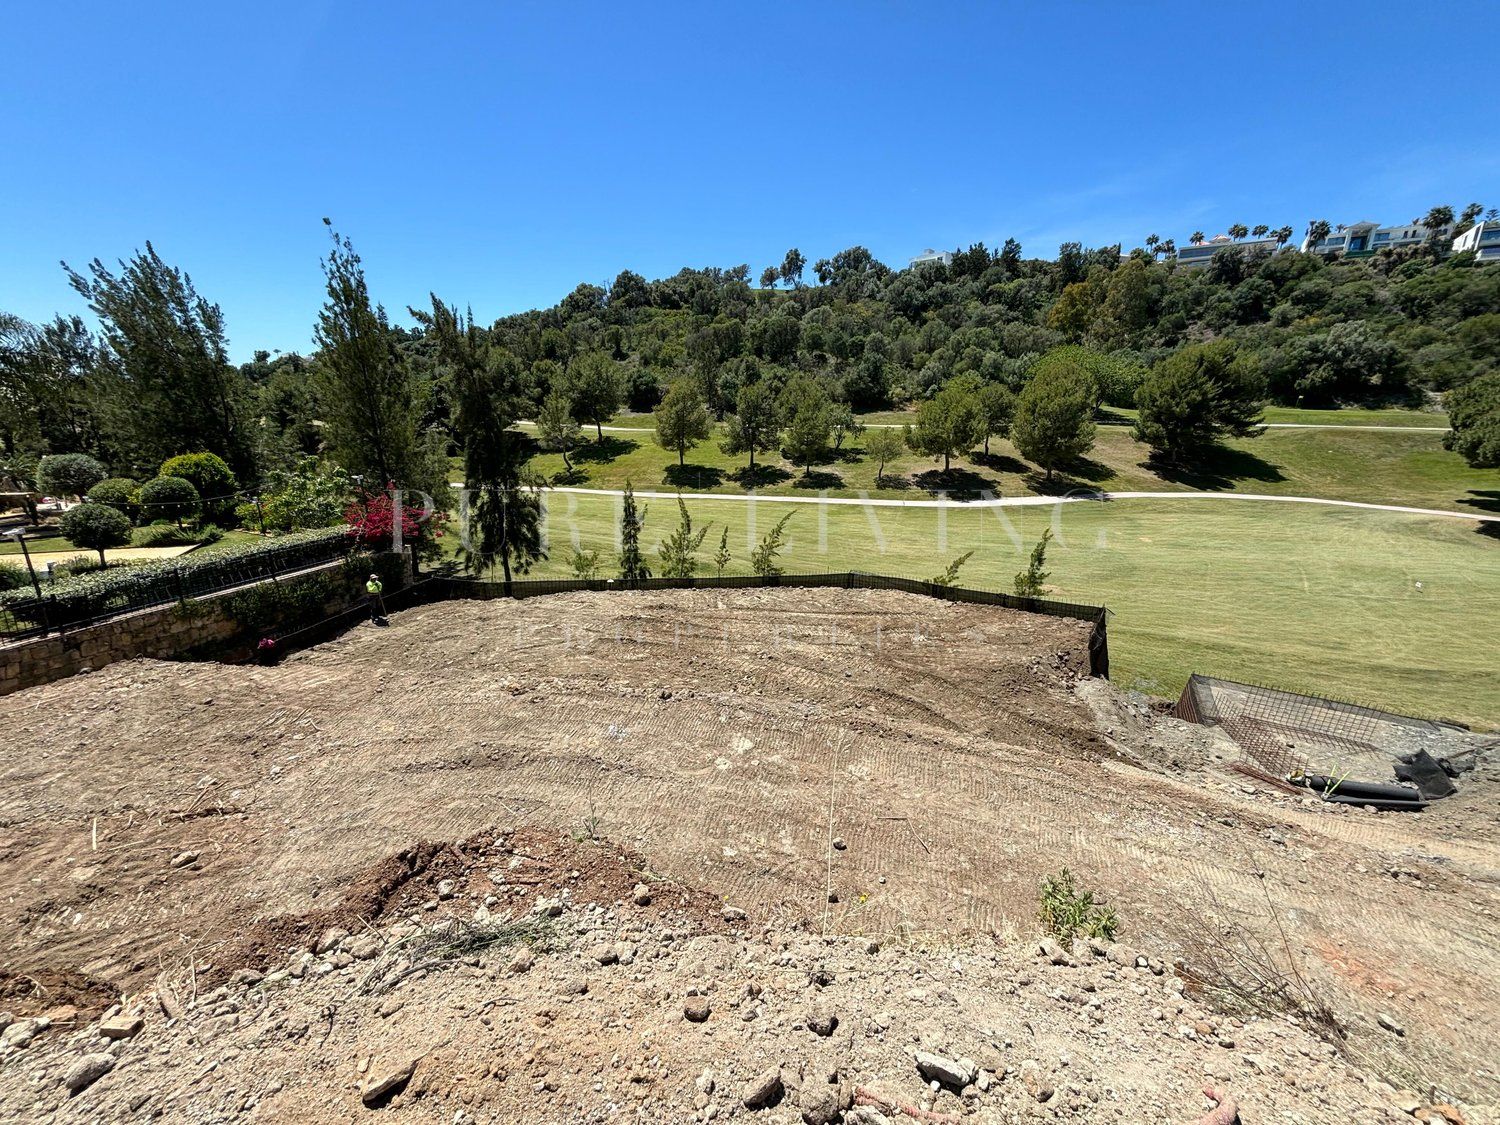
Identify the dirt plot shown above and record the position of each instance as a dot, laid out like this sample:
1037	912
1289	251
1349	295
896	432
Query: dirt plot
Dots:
156	811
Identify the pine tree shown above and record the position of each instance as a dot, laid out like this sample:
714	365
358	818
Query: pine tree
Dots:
721	556
369	396
679	551
682	420
632	566
1031	581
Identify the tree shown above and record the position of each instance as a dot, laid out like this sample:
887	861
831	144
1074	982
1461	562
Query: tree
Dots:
1317	231
1436	221
370	398
18	476
1054	422
764	559
1196	238
721	556
214	480
755	425
502	499
949	577
949	423
556	427
585	563
68	474
632	565
305	495
1474	415
1283	235
1260	230
842	424
792	266
1030	582
805	407
597	386
169	498
884	445
1194	397
679	551
120	493
1238	231
769	277
997	406
95	527
166	382
682	420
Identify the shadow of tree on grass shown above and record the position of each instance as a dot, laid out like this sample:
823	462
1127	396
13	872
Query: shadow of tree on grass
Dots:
693	476
607	450
1222	468
761	476
958	483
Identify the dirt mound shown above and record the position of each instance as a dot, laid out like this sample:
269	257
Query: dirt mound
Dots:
446	879
35	993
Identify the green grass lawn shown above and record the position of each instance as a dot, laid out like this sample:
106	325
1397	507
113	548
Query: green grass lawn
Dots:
39	545
1376	466
1344	416
1313	599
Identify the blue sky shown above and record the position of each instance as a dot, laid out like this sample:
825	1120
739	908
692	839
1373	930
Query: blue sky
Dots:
500	153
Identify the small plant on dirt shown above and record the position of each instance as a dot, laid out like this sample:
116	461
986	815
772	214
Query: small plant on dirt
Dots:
590	829
763	558
1030	582
949	577
1066	911
1247	974
439	948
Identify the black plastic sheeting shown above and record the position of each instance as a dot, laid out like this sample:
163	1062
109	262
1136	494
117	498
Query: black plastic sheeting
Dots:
1427	774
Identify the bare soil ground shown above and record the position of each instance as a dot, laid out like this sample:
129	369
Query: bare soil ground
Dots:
799	775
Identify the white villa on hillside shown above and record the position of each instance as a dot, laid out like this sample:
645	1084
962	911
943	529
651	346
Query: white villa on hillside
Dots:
1360	240
1201	253
931	255
1483	238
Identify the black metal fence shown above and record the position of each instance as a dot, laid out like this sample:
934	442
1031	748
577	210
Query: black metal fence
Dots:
101	595
852	580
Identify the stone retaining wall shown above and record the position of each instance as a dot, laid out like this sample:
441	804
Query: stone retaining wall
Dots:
163	632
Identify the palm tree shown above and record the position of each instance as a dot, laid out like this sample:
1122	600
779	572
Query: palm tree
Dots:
1238	231
1283	235
1196	238
1261	230
1492	214
1435	220
1317	231
1471	212
1168	248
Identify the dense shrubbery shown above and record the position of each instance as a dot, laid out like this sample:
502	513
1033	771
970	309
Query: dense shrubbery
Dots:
88	595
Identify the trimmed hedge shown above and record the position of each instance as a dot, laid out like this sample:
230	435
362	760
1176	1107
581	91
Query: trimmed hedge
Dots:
120	588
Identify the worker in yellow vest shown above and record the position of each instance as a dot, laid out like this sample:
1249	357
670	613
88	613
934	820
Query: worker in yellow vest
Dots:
374	588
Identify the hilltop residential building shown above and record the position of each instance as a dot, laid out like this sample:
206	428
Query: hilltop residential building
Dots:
1202	253
1483	238
931	255
1360	240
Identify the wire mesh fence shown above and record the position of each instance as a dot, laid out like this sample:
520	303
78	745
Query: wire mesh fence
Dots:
1286	733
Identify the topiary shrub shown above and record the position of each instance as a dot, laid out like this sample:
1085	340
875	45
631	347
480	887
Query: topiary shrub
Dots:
214	480
96	526
169	498
68	474
120	493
